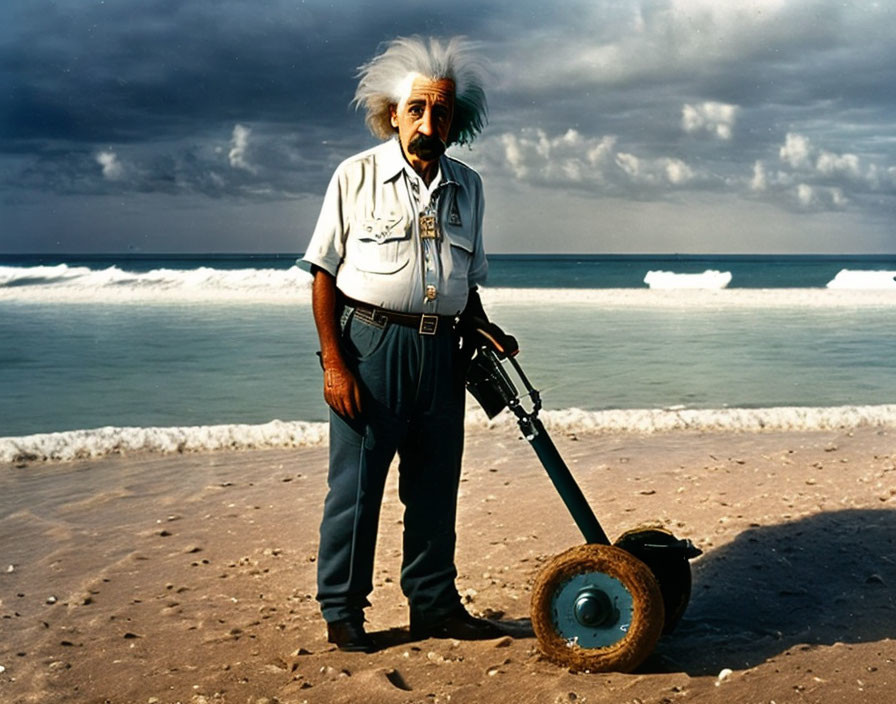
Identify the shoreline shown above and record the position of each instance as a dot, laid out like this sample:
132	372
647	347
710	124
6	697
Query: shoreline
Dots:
190	577
67	446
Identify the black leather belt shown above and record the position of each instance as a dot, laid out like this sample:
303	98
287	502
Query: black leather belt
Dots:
424	323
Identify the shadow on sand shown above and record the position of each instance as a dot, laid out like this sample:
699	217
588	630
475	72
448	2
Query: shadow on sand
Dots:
819	580
515	628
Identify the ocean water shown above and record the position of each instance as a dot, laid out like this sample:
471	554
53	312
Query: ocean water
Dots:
215	349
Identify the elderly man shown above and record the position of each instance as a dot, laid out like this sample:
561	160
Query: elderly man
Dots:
396	256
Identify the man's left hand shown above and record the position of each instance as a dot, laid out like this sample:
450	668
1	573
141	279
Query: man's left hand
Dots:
505	345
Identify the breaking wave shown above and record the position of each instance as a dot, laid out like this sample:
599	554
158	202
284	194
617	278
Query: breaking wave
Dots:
710	278
79	284
110	440
84	444
852	279
64	283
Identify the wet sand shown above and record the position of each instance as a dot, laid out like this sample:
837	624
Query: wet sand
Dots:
190	577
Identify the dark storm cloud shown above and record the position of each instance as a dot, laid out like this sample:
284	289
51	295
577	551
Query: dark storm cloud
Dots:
778	102
178	76
122	72
100	72
633	71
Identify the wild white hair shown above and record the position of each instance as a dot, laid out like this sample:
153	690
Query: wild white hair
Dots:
384	82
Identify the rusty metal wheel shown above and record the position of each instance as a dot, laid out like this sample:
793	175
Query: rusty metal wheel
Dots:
597	608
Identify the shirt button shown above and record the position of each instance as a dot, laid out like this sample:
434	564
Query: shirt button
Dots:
431	293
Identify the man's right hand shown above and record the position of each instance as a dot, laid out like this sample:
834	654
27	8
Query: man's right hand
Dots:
341	391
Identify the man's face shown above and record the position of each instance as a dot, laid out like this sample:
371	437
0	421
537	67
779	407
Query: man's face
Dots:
423	121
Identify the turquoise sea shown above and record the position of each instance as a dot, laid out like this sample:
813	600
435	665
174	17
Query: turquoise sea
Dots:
151	341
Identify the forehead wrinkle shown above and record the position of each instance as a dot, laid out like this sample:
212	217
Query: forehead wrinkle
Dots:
434	88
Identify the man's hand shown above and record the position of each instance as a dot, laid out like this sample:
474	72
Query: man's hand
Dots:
341	391
505	345
475	328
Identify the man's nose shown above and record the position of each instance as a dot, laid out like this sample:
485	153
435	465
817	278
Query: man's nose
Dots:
426	123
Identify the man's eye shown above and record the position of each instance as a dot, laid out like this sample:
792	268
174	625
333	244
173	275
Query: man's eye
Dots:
415	110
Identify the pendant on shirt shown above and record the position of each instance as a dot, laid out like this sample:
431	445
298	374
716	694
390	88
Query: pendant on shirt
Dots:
428	229
431	293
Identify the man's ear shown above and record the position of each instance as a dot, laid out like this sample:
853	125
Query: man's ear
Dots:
393	116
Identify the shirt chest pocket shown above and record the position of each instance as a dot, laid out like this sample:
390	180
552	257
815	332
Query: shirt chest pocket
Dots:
379	245
457	223
460	251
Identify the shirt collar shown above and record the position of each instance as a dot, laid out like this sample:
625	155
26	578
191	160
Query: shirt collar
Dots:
394	163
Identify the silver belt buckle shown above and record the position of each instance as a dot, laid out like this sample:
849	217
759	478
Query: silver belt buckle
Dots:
428	324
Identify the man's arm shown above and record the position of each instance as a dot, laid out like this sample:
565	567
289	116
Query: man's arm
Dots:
341	389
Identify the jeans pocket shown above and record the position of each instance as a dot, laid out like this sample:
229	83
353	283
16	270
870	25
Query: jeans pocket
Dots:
362	340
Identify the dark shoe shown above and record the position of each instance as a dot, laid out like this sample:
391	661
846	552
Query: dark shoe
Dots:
349	635
458	624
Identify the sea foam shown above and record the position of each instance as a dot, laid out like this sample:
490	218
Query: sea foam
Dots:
80	284
84	444
852	279
710	278
111	440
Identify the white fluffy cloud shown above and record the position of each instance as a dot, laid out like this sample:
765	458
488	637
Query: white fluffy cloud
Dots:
571	158
838	200
716	118
239	145
759	182
664	171
820	197
804	176
805	194
816	178
800	154
677	172
795	151
831	164
113	169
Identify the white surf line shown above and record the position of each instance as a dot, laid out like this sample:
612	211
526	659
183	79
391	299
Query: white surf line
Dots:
111	440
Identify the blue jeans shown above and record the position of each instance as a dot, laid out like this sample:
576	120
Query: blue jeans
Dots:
413	405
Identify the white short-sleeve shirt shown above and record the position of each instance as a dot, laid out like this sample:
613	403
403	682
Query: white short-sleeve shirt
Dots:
368	233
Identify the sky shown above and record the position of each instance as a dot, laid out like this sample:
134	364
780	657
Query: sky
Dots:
659	126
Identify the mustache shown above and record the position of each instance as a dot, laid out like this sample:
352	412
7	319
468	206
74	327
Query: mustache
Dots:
427	146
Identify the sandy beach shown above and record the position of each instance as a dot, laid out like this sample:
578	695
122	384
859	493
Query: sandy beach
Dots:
155	578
